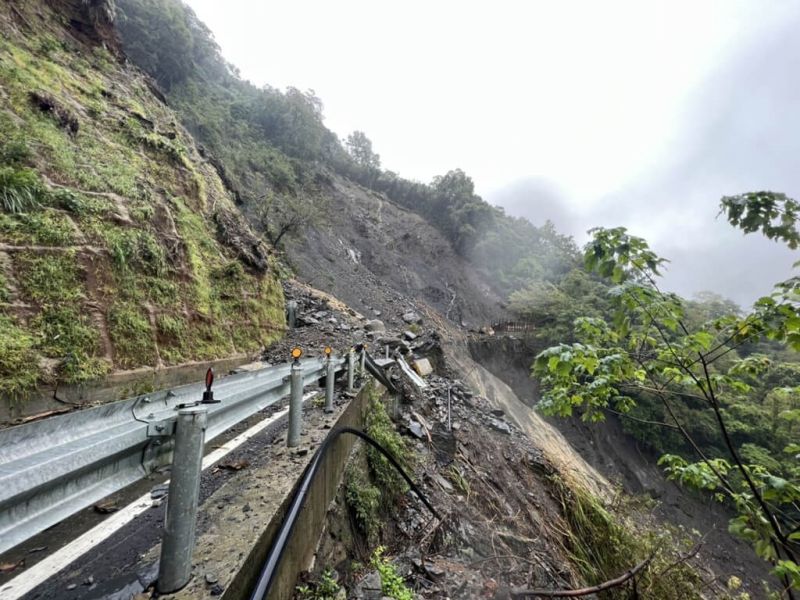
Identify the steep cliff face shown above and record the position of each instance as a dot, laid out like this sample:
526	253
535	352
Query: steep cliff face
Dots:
120	246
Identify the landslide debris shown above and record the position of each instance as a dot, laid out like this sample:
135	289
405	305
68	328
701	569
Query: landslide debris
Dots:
510	519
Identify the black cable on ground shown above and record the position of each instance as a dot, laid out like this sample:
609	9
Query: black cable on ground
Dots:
279	543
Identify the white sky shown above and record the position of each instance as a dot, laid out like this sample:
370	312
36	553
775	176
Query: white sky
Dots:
590	99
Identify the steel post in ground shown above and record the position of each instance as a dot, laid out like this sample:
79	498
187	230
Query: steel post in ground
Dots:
175	566
295	404
363	362
329	377
351	370
291	314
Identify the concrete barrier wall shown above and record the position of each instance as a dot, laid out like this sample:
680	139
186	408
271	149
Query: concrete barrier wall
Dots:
236	550
305	537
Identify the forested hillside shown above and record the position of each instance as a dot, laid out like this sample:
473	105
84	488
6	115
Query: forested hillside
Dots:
120	246
278	155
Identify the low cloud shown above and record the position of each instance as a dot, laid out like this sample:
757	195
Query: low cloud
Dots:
741	132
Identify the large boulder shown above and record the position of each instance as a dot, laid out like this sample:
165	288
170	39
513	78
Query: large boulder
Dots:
375	325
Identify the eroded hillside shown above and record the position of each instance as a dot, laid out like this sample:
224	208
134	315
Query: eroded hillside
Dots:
120	246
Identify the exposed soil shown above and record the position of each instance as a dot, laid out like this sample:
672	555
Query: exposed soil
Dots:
632	467
377	257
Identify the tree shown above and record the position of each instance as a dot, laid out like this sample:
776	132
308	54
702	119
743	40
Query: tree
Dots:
647	350
279	216
462	215
359	147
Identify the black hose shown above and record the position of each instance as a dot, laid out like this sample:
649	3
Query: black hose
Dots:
278	546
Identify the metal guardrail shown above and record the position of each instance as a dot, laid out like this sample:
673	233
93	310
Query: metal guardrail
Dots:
53	468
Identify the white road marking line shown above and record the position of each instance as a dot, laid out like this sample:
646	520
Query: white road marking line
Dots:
46	568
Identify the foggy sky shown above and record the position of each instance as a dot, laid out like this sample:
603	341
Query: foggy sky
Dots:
623	112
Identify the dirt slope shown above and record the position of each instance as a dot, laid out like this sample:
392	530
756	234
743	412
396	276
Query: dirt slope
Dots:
370	253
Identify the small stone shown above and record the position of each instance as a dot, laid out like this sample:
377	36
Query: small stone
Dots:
217	590
500	426
416	429
89	580
211	578
301	452
433	570
497	412
246	508
72	586
411	317
409	335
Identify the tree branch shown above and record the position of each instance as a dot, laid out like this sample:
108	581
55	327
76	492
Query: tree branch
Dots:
611	583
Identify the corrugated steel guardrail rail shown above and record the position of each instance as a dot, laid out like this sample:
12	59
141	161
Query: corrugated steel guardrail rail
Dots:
53	468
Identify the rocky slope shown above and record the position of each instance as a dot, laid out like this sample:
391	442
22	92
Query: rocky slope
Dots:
120	246
369	251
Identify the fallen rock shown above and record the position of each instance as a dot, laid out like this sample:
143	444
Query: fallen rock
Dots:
416	429
500	426
410	335
374	325
423	367
411	317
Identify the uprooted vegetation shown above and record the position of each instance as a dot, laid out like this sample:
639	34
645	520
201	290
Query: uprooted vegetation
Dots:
116	243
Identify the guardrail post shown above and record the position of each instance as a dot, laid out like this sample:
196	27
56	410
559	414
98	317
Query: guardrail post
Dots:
175	566
295	405
351	370
291	314
329	377
363	362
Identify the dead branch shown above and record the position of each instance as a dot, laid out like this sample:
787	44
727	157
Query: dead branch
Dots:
611	583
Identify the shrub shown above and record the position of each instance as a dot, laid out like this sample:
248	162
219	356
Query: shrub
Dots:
20	190
392	583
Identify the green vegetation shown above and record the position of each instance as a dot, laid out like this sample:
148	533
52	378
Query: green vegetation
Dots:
372	485
604	544
20	189
380	427
724	389
19	369
93	166
43	228
130	330
364	499
392	583
49	278
325	588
